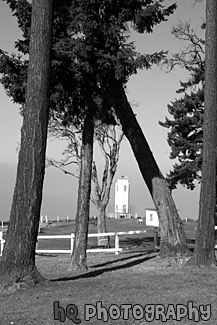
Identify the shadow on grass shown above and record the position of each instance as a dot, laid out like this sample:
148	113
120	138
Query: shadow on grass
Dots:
121	259
96	273
138	242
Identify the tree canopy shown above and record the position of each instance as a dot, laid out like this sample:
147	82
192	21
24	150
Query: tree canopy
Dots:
90	42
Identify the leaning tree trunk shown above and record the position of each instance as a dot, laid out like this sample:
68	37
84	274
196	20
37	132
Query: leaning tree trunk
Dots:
18	260
204	253
173	239
79	256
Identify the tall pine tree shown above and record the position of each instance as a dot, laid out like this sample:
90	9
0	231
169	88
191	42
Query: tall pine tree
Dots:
204	253
18	261
113	60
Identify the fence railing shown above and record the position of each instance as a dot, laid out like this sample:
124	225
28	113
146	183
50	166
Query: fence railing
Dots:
117	249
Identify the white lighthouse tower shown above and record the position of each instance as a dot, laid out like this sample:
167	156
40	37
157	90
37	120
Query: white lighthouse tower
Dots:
122	197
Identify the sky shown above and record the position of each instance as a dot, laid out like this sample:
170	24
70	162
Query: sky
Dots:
148	91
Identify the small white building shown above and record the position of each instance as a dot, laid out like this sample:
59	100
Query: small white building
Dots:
151	218
122	197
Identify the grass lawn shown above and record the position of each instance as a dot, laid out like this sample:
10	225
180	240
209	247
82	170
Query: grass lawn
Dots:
136	277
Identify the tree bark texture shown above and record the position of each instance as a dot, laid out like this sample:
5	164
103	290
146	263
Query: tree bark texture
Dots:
173	240
18	260
204	246
101	227
79	256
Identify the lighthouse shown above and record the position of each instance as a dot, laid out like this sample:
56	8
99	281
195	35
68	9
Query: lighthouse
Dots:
122	197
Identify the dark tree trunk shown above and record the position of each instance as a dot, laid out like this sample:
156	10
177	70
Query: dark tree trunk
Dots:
173	239
18	260
204	246
79	256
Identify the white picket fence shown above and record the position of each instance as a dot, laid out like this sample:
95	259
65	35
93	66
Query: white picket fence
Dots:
117	249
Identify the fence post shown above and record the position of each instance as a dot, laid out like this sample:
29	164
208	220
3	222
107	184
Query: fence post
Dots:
72	242
39	227
2	242
116	244
156	238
